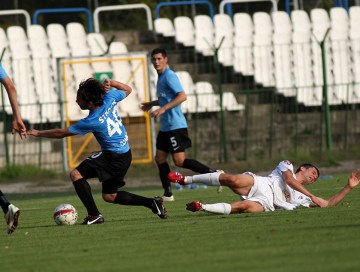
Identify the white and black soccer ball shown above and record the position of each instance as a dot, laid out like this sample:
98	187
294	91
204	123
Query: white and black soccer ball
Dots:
65	214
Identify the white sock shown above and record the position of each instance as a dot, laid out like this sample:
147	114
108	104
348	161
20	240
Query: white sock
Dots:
211	179
221	208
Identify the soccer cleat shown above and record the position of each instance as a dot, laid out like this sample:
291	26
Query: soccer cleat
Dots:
194	206
93	219
168	198
158	208
176	177
12	218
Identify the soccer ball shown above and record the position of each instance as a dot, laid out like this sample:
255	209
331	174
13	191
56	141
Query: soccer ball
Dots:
65	214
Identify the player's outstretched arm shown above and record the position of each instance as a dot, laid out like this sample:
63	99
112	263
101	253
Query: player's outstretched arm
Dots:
51	133
353	181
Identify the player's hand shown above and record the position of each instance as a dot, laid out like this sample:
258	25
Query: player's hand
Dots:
319	201
33	132
146	106
354	179
19	127
157	113
106	84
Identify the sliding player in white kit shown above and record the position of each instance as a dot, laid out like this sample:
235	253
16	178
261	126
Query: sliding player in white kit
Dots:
282	189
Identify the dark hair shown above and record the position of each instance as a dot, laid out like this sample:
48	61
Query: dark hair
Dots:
307	166
91	90
159	51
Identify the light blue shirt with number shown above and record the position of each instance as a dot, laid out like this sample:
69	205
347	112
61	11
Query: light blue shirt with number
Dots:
167	88
106	125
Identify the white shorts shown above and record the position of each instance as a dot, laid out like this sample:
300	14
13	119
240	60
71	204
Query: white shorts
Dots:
261	192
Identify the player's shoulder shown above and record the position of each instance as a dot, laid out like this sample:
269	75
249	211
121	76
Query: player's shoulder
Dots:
285	164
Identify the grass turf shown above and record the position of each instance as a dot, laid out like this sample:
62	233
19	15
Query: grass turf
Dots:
134	239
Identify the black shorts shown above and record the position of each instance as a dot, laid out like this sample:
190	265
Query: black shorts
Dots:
173	141
109	167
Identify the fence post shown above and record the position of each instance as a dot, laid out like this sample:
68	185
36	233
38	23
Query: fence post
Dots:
325	94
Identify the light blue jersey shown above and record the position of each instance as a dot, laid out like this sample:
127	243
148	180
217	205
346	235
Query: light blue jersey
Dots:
106	125
3	73
168	86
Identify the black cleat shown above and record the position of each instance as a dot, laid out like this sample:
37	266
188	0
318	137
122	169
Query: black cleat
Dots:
93	219
158	208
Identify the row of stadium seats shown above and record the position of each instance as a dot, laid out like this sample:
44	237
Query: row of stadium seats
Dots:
31	60
279	50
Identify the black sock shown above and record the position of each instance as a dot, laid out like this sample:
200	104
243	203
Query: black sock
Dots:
197	166
129	199
4	202
83	190
164	170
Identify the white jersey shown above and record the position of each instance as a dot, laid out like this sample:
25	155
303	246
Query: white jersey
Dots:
274	193
282	191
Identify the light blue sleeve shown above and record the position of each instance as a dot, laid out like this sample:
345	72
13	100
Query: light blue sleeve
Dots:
3	73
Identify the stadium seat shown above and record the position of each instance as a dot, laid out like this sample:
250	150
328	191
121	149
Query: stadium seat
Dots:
243	39
23	73
354	14
45	84
263	50
302	58
230	102
204	35
224	29
204	87
340	52
320	24
186	82
164	27
282	53
98	47
120	64
184	31
79	48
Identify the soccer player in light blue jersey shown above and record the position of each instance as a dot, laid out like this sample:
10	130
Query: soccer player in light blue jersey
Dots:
111	164
11	212
173	135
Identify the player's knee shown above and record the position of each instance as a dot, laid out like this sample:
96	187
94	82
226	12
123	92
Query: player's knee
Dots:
75	175
228	180
179	163
109	197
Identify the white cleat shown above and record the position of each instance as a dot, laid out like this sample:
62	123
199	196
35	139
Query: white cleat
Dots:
12	218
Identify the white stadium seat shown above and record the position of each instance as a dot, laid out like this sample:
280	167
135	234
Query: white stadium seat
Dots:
204	35
224	31
320	24
186	82
164	27
263	50
184	31
354	14
340	52
45	84
243	39
282	53
98	47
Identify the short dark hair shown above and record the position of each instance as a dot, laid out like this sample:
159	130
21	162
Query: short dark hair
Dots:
92	90
307	166
159	51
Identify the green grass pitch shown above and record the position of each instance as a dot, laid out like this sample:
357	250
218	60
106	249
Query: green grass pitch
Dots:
134	239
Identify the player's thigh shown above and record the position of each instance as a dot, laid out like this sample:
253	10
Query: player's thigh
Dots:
246	206
240	184
161	156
